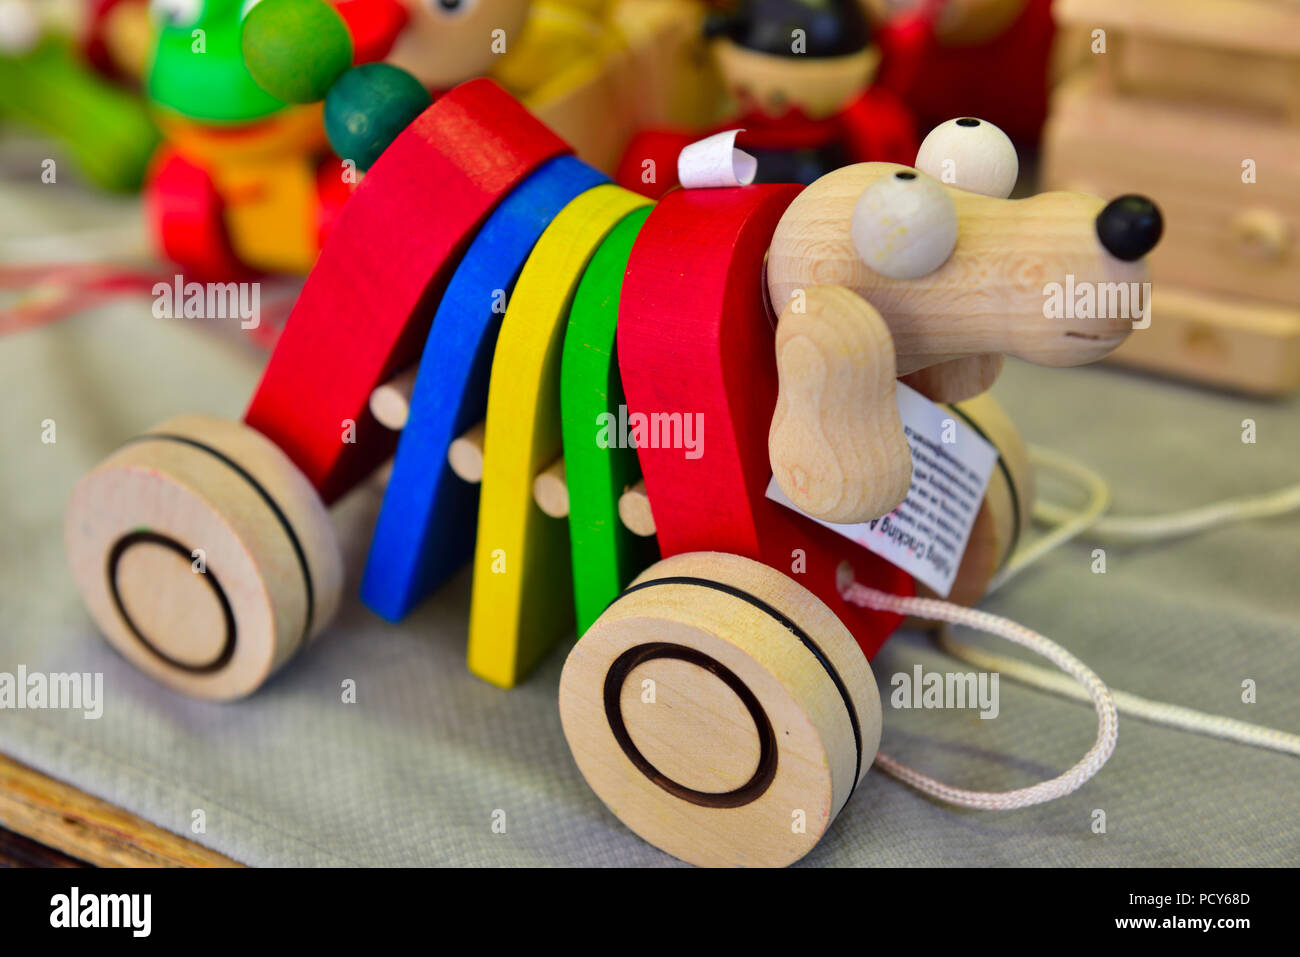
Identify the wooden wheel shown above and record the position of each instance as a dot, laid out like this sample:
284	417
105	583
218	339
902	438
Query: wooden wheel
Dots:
204	555
721	711
1005	514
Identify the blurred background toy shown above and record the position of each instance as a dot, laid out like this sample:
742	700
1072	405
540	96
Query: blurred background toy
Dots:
246	183
49	86
1199	105
800	77
243	184
596	71
591	70
117	37
987	58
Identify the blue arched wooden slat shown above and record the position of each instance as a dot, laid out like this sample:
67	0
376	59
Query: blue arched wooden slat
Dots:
428	518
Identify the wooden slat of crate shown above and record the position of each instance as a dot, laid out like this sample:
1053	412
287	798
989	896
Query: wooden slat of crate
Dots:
1239	53
1262	26
1267	84
60	816
1246	346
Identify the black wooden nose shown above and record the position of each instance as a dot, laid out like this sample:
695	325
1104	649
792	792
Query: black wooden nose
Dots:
1129	227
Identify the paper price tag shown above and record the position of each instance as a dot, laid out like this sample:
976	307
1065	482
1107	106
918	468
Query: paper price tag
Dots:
951	464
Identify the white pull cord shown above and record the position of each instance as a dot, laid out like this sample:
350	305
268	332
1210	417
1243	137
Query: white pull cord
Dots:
1157	527
1069	524
1086	685
1093	687
1158	712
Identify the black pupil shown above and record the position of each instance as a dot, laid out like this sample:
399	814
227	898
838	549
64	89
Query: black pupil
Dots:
449	4
905	176
968	121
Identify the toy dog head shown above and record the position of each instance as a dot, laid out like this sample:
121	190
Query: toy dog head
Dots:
957	270
880	270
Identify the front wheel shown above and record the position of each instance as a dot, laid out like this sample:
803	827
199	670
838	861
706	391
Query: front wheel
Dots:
721	711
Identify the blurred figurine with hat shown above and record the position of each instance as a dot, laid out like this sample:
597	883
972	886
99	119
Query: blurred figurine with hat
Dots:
800	74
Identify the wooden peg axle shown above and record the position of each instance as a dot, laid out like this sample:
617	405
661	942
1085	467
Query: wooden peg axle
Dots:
634	510
550	491
390	403
465	454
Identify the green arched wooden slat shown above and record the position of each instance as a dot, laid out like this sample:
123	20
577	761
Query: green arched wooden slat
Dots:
521	603
606	556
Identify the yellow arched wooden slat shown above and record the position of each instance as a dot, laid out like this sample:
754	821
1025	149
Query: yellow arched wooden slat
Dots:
523	594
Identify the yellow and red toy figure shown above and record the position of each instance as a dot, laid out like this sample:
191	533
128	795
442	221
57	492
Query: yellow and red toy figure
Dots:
801	74
245	182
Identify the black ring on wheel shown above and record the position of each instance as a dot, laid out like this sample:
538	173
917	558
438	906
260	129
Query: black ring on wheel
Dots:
153	538
804	638
266	497
763	775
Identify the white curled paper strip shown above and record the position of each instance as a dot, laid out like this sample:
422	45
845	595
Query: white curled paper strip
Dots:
714	161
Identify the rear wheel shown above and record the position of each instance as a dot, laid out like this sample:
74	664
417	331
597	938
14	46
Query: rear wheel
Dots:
204	555
721	711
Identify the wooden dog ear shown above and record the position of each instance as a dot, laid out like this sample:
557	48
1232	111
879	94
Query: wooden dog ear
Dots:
836	444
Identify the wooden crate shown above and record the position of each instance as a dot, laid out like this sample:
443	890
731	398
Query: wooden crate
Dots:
1222	235
1231	343
1239	53
1226	275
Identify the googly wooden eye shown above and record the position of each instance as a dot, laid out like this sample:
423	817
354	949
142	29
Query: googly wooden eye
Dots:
904	225
177	13
970	154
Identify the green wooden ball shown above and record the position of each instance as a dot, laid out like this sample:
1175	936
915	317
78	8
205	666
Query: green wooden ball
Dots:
296	49
367	108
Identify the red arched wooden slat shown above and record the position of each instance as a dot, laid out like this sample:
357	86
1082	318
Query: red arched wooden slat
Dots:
367	305
694	337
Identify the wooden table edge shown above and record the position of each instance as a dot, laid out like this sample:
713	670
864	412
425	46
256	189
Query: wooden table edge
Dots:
67	819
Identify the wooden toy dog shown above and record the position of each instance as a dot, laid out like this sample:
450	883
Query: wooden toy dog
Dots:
551	304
